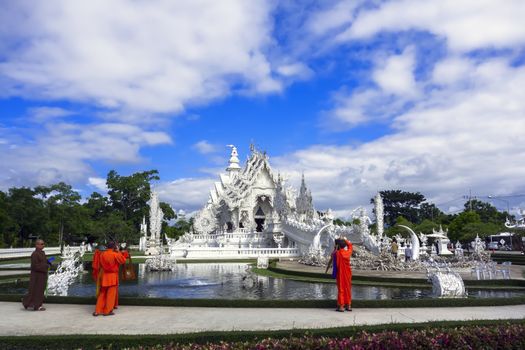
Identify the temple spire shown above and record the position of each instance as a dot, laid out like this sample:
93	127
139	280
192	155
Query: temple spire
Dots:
234	166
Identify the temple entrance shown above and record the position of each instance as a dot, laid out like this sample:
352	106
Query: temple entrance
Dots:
259	220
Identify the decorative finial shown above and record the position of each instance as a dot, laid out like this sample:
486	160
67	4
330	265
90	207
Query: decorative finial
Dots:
234	160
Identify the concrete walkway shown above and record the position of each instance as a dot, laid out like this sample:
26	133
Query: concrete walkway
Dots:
61	319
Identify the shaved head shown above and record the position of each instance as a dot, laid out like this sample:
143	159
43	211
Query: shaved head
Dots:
39	243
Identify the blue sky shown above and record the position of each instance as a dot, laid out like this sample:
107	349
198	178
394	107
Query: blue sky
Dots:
359	96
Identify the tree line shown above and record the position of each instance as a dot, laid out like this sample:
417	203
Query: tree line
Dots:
58	214
413	210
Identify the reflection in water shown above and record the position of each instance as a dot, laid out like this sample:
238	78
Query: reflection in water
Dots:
224	281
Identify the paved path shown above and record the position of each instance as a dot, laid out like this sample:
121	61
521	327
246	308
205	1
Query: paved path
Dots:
77	319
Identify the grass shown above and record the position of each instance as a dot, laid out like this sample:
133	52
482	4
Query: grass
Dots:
101	341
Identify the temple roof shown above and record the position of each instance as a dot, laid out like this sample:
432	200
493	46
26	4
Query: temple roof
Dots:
234	187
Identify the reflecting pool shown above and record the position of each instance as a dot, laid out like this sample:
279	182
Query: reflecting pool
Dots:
230	281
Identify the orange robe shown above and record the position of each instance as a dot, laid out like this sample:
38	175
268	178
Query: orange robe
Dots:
110	261
96	274
125	254
344	275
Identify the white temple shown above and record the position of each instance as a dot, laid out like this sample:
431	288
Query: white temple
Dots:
251	213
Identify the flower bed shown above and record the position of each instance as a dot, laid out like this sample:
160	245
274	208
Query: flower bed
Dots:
505	336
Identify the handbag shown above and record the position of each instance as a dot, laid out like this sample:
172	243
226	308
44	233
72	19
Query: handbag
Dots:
128	272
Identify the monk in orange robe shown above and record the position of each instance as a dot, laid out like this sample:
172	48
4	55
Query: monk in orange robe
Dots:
110	260
126	255
96	274
344	275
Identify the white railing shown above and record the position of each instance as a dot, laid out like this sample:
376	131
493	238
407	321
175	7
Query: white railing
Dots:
232	253
10	253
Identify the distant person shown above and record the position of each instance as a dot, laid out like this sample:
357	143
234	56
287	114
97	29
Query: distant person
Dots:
394	248
110	260
332	262
408	253
344	275
38	278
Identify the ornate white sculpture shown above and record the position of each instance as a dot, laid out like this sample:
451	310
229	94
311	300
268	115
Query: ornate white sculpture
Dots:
67	271
155	226
379	209
478	245
415	242
143	235
446	284
160	262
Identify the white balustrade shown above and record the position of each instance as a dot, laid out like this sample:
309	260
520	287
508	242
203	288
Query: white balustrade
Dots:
232	252
9	253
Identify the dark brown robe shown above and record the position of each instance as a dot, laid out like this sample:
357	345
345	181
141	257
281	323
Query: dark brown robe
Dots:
37	280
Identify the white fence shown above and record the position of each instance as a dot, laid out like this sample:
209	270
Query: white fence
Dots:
10	253
232	253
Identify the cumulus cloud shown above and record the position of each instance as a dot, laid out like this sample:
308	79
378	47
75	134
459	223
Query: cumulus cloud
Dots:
99	183
396	74
395	86
137	56
204	147
467	25
455	139
189	194
63	151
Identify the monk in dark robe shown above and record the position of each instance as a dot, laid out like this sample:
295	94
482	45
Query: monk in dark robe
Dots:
344	275
38	279
110	260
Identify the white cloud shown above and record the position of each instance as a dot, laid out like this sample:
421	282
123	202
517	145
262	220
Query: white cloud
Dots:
467	24
64	151
140	56
189	194
452	70
395	87
204	147
456	138
99	183
396	76
44	114
340	14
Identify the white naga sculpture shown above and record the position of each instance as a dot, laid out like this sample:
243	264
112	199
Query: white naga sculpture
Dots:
414	242
67	271
519	223
446	284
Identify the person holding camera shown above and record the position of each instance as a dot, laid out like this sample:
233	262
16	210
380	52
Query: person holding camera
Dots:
110	260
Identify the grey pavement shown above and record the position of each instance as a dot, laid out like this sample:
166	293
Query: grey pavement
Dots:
61	319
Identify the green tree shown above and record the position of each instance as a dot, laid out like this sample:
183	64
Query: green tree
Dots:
129	194
27	213
8	226
426	226
457	226
400	203
395	229
486	211
66	216
482	229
